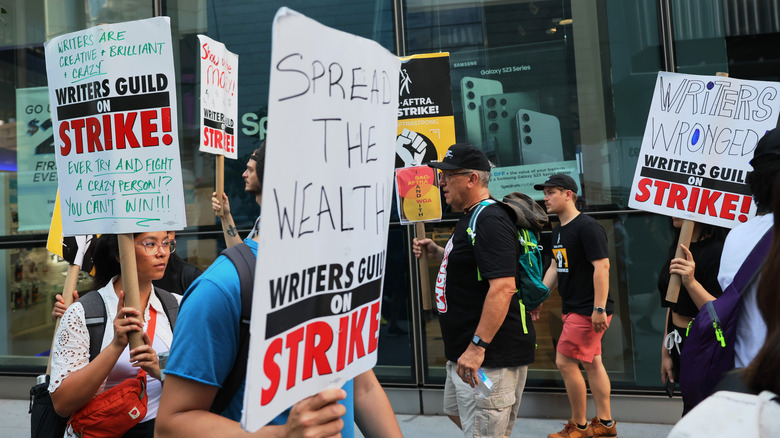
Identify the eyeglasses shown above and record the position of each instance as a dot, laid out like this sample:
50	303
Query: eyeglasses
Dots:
152	248
447	176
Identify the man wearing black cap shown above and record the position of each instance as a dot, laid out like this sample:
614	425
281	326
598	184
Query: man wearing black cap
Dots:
480	321
751	329
581	272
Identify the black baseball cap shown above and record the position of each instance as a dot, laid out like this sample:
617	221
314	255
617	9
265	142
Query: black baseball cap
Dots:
558	180
768	146
462	156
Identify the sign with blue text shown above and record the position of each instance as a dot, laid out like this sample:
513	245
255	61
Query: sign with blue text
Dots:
700	136
112	90
327	192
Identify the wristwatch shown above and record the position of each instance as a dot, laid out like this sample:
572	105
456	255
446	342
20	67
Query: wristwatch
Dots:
476	340
598	309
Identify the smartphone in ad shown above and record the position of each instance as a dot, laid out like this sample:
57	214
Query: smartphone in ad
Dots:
472	89
498	120
538	137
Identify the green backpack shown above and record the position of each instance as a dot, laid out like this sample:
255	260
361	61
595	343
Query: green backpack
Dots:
529	219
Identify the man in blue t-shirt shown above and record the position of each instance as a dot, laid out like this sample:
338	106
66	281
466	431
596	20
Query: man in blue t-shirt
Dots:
205	346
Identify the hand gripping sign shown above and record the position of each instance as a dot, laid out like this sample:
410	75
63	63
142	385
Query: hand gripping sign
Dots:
326	207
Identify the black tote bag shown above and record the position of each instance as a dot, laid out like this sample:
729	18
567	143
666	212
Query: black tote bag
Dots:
44	421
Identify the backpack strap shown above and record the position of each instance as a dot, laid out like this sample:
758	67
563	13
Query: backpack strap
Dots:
243	259
472	227
746	275
169	303
752	265
95	317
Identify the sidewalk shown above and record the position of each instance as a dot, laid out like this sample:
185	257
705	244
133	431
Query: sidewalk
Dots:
425	426
15	422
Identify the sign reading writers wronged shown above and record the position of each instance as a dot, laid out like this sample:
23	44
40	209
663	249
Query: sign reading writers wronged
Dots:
218	98
112	90
700	135
327	195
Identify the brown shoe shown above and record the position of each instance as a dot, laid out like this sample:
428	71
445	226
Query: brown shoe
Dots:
600	430
571	430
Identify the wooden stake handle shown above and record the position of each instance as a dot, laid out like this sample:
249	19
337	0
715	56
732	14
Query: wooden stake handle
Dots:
673	291
130	281
71	279
220	182
425	284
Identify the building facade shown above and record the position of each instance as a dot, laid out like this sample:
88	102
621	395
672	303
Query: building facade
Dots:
574	78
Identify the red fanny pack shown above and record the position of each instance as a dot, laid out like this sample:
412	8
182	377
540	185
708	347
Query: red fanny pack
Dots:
114	412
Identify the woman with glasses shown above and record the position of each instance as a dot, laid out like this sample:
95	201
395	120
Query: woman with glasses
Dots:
75	380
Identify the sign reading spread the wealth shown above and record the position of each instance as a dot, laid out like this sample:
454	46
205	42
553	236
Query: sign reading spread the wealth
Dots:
112	90
218	98
426	125
700	136
326	207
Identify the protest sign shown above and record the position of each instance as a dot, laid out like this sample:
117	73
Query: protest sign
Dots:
218	98
426	128
426	125
36	168
700	136
112	90
418	194
333	100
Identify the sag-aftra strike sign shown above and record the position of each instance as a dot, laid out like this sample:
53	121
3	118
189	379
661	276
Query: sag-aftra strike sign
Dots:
700	136
112	90
327	195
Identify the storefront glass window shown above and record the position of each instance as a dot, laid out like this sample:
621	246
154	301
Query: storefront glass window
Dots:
541	86
32	276
560	86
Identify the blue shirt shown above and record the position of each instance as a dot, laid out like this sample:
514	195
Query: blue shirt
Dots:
205	341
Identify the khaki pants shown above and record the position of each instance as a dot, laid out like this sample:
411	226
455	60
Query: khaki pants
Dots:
485	417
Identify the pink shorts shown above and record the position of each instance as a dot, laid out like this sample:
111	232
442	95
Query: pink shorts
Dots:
578	339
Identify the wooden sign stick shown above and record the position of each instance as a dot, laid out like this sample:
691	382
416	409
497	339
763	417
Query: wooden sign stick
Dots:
220	183
130	281
425	284
673	291
71	278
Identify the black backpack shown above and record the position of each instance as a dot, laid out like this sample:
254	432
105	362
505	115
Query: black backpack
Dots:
243	259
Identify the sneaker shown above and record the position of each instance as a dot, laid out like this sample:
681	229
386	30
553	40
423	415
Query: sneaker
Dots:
600	430
572	431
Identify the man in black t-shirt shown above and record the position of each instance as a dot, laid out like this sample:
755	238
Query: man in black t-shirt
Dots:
580	269
479	313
